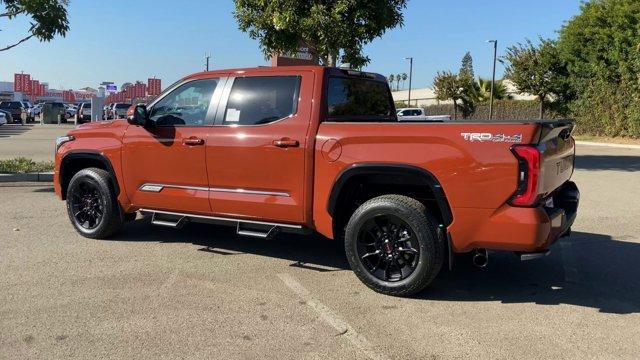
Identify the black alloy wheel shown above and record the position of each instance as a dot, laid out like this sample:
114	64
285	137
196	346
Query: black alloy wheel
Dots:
388	248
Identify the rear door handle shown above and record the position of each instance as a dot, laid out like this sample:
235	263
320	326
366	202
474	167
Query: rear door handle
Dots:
193	141
285	143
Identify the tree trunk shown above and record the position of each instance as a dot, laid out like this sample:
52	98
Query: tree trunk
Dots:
542	107
333	60
455	109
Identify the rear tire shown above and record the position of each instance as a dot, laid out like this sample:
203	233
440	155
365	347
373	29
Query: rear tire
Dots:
92	204
392	245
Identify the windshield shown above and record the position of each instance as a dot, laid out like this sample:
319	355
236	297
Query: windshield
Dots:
10	105
123	106
357	99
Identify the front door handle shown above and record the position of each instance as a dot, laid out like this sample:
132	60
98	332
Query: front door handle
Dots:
193	141
285	143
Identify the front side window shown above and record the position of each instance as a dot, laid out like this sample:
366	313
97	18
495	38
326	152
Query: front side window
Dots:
187	105
261	100
356	99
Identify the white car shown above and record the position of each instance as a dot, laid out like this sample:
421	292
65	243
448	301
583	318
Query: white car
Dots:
3	118
418	114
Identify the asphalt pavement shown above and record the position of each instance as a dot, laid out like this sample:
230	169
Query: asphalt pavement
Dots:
34	141
203	293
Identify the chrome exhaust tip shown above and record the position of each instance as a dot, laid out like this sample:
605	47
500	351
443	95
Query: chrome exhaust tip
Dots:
481	258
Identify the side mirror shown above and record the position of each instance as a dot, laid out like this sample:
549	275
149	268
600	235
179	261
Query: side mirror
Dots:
138	115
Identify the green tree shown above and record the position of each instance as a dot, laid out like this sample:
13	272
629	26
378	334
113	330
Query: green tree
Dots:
537	70
601	47
404	78
332	29
448	86
481	93
466	69
392	79
48	18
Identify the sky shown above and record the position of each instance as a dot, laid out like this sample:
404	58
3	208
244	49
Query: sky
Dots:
124	41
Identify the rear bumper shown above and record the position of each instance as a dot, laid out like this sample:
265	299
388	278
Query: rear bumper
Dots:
515	228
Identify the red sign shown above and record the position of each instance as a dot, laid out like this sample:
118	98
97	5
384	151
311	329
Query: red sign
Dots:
35	87
154	87
18	83
26	83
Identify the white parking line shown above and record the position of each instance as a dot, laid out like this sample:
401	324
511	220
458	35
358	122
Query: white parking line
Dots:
331	318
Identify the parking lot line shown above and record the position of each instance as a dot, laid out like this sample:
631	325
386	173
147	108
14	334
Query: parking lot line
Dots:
331	318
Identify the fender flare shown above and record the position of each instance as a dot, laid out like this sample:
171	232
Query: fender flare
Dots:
425	177
84	155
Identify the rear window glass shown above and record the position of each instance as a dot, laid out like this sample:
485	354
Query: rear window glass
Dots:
353	99
123	106
86	106
261	99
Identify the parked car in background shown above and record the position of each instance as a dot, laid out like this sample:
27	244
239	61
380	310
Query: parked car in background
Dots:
105	111
84	113
16	109
70	110
119	110
28	106
35	111
3	118
418	114
7	115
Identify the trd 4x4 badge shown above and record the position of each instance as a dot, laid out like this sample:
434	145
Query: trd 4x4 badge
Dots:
482	137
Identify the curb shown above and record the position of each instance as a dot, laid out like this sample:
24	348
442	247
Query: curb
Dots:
620	146
27	177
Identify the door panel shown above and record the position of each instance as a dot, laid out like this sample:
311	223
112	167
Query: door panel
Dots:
257	171
164	164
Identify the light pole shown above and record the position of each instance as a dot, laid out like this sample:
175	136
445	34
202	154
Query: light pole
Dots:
493	78
410	76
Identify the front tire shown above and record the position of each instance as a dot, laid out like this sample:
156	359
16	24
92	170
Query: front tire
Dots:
392	245
92	204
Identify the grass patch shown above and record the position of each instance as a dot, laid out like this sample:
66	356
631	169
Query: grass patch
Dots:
25	165
603	139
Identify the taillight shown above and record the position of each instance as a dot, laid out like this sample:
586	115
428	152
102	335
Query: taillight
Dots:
528	175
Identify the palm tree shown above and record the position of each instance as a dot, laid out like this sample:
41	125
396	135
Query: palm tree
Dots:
398	78
404	78
481	91
392	78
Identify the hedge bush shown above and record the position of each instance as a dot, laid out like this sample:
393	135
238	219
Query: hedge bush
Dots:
502	110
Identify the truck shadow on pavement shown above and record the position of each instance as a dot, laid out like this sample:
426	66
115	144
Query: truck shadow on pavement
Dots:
588	270
608	162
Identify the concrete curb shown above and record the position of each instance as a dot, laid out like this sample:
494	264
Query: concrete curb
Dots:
27	177
620	146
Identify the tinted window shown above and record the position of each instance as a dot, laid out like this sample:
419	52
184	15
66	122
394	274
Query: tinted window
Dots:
123	106
261	99
186	105
86	106
350	99
11	105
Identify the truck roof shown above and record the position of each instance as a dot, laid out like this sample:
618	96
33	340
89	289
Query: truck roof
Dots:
271	69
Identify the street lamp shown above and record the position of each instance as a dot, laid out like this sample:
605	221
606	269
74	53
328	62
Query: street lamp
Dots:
410	76
493	78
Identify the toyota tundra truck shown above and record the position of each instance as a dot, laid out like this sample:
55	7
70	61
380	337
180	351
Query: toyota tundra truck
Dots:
317	149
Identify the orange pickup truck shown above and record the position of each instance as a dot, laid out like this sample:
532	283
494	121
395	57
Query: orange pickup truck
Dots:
299	149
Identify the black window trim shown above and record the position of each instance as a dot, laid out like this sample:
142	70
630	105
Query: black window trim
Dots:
214	102
326	118
222	106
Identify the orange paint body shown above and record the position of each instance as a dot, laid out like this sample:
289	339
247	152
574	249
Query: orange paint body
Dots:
242	172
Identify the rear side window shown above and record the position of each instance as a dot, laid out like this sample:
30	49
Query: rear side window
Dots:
356	99
261	99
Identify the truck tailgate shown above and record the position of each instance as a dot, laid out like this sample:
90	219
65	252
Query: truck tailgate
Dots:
557	149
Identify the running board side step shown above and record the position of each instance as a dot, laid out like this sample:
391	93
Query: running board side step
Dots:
267	232
258	229
171	221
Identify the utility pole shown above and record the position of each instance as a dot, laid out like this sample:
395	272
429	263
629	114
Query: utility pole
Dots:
410	76
207	56
493	78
